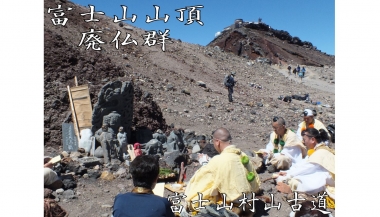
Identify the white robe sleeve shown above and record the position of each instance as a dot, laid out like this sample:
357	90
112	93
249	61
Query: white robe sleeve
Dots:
303	169
269	148
312	183
293	153
299	132
312	177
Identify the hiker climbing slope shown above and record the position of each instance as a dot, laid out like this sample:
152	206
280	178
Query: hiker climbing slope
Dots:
229	82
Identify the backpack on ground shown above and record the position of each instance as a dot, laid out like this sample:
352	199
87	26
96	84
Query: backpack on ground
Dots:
287	99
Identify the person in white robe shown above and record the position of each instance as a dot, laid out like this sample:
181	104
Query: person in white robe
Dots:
283	148
314	175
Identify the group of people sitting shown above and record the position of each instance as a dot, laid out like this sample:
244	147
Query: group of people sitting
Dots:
303	159
223	178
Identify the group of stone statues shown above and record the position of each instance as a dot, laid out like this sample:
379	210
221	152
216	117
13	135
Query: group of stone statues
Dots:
116	144
109	140
160	143
112	119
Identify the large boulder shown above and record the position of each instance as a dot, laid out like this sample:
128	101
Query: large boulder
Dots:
174	158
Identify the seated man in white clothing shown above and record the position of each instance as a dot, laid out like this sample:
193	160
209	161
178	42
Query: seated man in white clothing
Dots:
316	174
284	148
310	122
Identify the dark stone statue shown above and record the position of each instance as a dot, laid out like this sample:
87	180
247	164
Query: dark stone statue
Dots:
114	107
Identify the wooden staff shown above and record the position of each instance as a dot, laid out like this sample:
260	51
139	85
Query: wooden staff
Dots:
74	117
182	173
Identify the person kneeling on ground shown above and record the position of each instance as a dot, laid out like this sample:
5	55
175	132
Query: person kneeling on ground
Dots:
51	179
141	201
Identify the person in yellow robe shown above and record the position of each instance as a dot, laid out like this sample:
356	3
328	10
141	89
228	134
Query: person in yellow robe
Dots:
230	173
310	122
284	148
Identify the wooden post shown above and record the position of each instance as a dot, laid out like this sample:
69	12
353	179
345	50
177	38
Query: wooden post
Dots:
182	173
131	152
76	81
92	151
73	114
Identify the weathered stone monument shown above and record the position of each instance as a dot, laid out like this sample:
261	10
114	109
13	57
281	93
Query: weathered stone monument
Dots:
106	138
114	107
113	120
70	141
153	147
122	138
160	136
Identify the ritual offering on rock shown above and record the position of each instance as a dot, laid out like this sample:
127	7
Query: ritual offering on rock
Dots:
175	187
166	173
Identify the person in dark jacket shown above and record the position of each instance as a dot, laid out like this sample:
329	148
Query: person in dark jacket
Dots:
141	202
295	72
289	70
229	82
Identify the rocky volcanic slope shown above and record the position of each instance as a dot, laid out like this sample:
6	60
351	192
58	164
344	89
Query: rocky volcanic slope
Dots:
252	40
171	77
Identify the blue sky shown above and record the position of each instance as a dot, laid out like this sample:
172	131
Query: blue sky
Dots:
310	20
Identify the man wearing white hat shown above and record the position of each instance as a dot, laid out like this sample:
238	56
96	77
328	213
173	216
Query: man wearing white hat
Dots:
310	122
